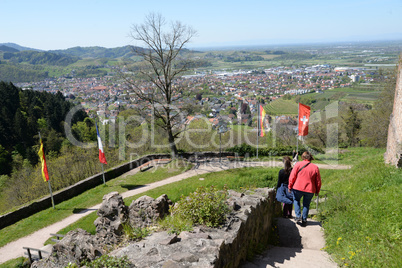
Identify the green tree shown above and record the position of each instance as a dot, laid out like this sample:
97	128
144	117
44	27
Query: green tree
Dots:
5	161
374	129
352	125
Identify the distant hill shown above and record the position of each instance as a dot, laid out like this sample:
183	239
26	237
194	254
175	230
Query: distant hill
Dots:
97	52
4	48
18	47
37	57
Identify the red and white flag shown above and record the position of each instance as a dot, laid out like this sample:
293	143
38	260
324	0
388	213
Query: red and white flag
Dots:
102	157
304	116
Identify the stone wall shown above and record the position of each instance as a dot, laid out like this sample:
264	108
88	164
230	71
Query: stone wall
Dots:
247	230
393	154
89	183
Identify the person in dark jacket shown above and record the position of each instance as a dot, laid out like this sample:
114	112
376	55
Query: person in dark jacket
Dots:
282	193
305	181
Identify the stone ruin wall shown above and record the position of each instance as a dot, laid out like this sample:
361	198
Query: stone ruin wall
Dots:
393	155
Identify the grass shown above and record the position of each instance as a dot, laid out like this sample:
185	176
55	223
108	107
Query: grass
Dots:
362	218
357	94
18	262
281	107
85	200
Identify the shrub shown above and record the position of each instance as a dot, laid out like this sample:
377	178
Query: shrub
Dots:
246	149
134	233
204	206
110	262
176	224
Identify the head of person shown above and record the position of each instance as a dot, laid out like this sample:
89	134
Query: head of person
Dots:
287	163
307	156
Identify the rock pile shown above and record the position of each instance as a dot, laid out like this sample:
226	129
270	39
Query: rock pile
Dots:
78	245
145	211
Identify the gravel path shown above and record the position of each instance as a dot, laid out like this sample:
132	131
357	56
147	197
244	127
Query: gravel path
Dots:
37	239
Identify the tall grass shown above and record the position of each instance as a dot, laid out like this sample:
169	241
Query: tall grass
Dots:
362	219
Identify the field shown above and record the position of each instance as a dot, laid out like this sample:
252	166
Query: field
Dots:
362	95
281	107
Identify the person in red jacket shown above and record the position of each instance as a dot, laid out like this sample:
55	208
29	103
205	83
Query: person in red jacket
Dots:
305	181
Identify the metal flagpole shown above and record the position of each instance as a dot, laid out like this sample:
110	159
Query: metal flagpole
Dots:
51	194
298	119
103	172
258	125
50	187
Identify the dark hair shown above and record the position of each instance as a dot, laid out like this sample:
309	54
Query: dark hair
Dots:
307	156
288	164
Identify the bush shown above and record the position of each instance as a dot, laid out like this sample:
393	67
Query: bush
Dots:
110	262
246	149
176	224
134	233
204	206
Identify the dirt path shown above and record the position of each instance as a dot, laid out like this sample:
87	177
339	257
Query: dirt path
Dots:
37	239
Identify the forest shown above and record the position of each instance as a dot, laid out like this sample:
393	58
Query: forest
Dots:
25	113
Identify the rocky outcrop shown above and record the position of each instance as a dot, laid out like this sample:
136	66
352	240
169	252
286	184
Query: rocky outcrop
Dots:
113	213
145	211
76	247
79	245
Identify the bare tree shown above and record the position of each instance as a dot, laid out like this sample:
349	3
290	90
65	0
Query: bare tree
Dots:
163	62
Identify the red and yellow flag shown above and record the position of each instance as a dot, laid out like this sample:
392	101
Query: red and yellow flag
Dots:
41	153
261	117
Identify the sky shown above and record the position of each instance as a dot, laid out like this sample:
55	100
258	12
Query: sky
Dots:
56	24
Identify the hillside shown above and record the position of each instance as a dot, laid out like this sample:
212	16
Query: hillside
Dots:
18	47
4	48
96	52
23	115
35	58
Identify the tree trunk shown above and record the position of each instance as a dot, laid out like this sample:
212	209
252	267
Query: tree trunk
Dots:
172	144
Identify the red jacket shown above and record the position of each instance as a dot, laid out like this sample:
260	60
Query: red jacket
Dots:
308	180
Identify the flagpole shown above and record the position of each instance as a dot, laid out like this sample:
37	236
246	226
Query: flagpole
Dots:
51	194
258	125
297	139
50	187
103	172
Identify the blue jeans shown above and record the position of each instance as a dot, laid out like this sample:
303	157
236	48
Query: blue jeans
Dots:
306	203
